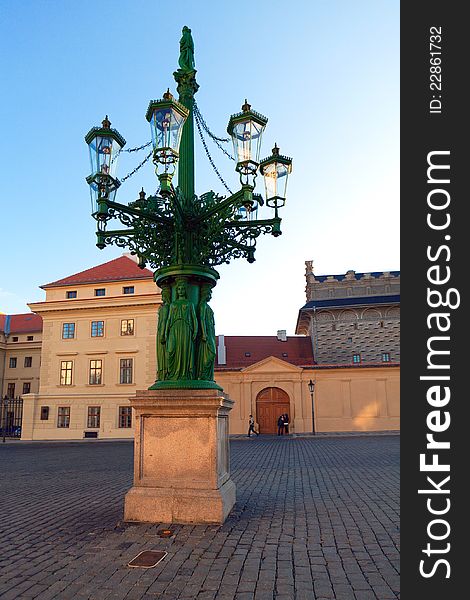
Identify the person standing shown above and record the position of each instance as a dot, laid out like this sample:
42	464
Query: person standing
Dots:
280	425
286	423
251	426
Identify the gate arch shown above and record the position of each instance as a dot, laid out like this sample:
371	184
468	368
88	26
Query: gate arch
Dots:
270	404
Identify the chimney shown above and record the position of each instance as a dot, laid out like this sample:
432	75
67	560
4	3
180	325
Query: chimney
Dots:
282	335
133	257
221	356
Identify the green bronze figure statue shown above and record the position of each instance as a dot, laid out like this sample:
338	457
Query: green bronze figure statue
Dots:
162	359
186	59
206	348
180	334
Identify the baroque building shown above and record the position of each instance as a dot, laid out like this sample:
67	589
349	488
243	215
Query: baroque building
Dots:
98	349
99	331
20	354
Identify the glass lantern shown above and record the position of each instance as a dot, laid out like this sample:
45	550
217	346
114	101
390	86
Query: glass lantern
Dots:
275	171
105	145
166	118
246	130
248	210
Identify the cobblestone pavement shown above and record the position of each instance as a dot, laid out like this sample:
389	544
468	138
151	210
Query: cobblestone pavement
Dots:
314	519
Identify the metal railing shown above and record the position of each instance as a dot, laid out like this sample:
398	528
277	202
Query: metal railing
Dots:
11	416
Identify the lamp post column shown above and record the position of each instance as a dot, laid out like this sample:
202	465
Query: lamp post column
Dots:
311	387
187	86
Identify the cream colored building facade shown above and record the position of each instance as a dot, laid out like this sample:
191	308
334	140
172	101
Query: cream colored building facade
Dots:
91	365
99	333
20	354
344	399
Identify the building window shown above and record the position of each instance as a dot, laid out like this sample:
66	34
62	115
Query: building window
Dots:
44	413
100	292
63	416
71	294
128	289
26	387
93	417
385	356
68	331
125	370
28	361
11	390
29	338
13	361
97	328
125	416
356	358
95	372
15	338
66	368
127	327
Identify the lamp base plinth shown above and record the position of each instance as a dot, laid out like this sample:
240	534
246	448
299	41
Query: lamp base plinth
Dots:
181	457
181	505
194	384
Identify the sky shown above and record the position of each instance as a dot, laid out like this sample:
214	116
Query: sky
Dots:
324	72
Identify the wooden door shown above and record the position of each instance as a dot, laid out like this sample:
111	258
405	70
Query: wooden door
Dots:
270	404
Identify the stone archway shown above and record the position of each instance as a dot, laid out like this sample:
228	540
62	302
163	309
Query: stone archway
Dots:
270	404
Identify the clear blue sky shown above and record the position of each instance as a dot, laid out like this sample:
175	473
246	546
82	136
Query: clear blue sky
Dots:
325	73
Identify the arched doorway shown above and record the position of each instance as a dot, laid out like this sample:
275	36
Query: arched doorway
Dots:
270	404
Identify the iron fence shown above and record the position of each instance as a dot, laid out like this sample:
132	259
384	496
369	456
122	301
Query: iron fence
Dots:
11	415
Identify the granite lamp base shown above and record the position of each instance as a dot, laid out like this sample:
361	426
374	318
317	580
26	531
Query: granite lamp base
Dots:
181	457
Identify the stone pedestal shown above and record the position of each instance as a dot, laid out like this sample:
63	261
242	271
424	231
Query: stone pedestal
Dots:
181	458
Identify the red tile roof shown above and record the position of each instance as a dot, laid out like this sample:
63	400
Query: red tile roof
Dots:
24	323
119	269
298	350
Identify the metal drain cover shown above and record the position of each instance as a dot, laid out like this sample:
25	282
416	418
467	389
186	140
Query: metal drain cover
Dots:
147	559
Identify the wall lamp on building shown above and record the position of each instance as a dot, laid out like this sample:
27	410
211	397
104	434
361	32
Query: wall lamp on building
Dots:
311	388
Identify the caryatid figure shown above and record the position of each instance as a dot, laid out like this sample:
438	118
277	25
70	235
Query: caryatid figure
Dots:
206	349
162	358
180	334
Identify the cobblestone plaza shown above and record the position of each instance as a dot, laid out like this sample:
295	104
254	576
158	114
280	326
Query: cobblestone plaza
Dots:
315	518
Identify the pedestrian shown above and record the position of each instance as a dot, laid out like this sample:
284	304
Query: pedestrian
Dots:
280	425
251	427
286	423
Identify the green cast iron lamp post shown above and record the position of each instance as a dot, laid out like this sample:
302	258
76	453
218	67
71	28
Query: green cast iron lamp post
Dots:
180	235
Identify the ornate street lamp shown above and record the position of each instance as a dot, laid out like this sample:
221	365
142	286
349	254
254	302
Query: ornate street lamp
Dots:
276	170
178	234
166	118
105	145
246	130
